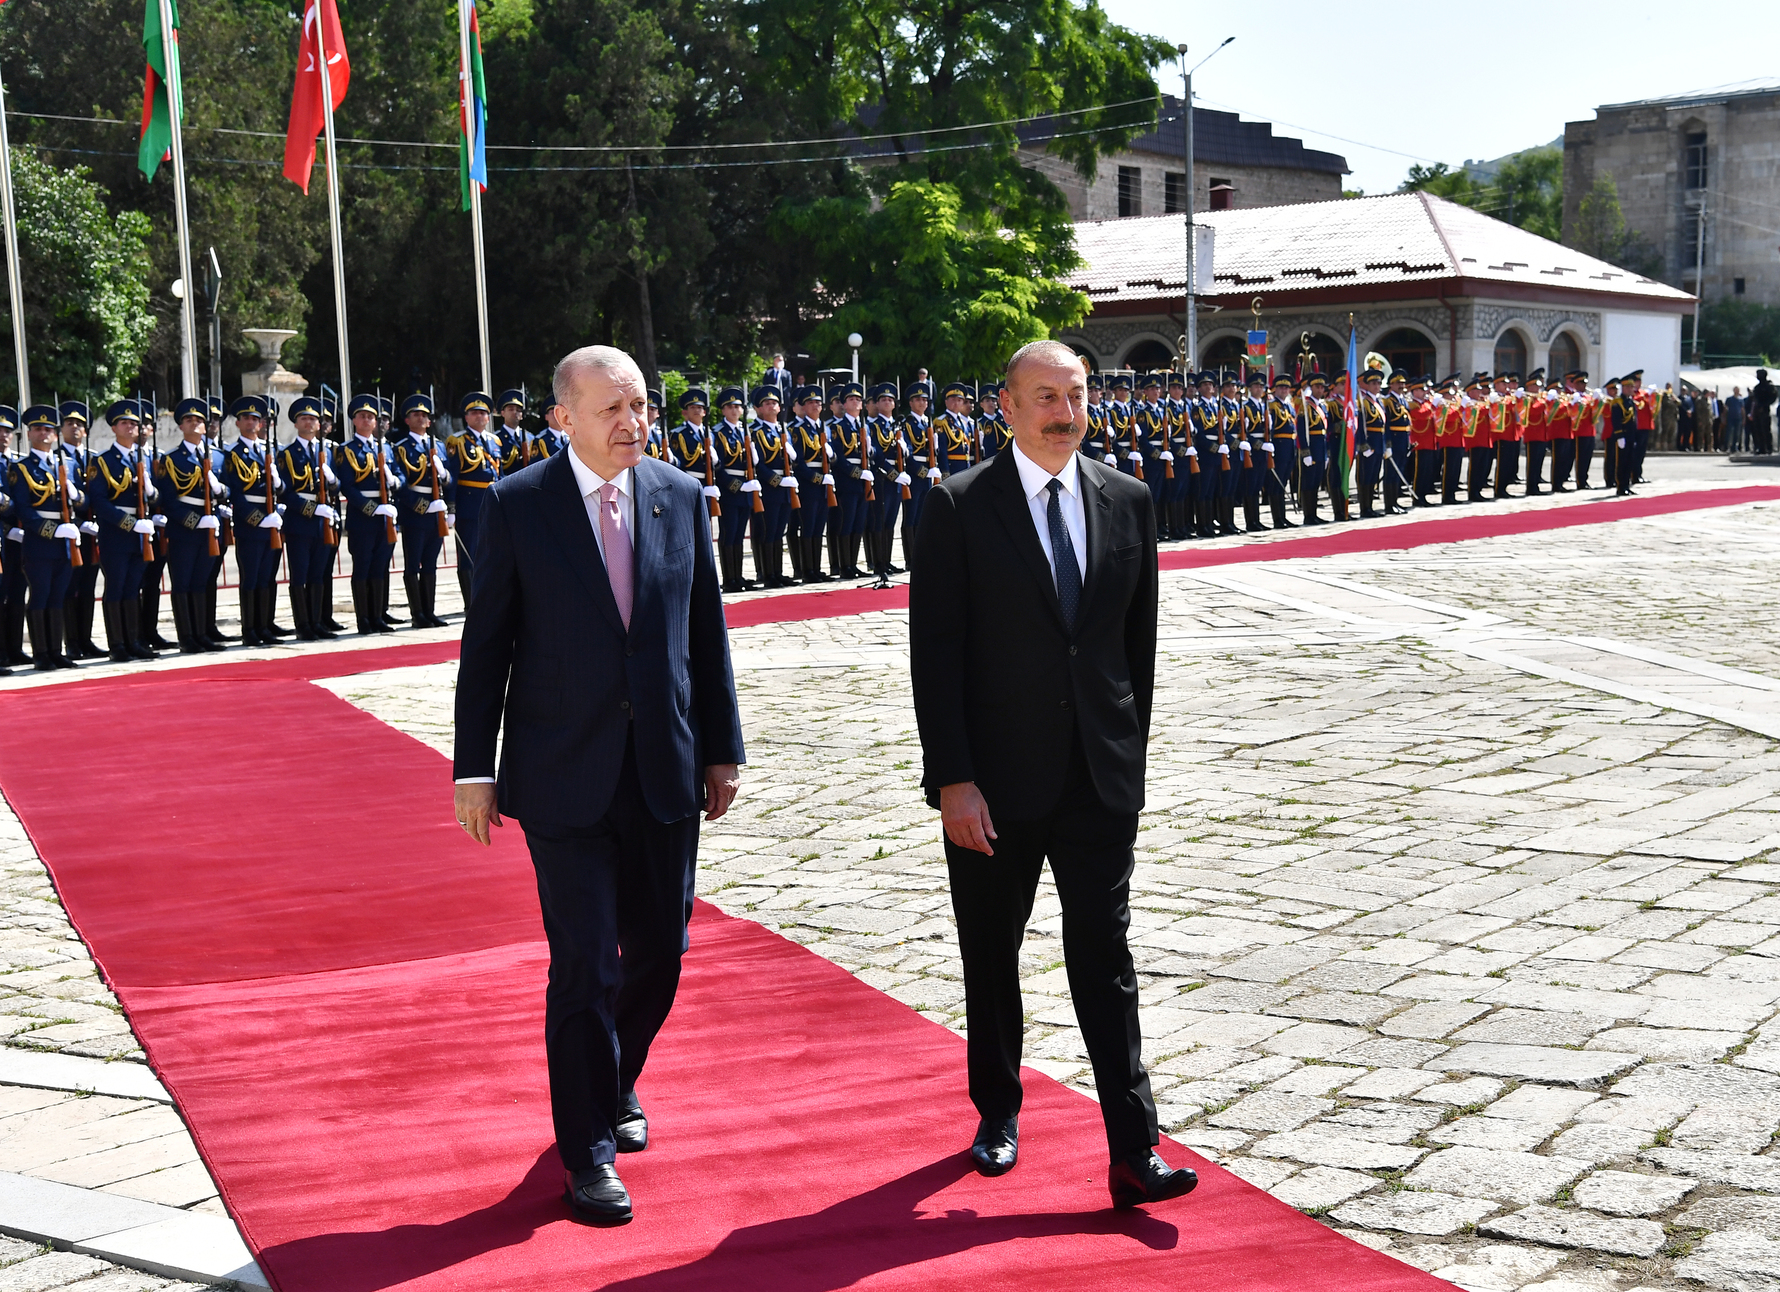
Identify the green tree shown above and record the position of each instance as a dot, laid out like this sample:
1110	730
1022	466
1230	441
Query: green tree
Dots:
1743	329
1527	189
1600	231
1442	181
85	276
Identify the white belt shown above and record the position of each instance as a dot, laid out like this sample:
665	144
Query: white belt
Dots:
425	489
191	502
50	515
307	497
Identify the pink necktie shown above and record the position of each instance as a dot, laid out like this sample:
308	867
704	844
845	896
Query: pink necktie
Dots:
615	538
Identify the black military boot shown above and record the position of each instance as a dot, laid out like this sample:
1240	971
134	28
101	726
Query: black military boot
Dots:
250	619
908	546
889	541
79	616
15	631
130	613
301	610
55	629
118	650
463	579
429	595
204	616
319	594
411	589
149	611
41	659
1251	516
795	543
812	560
855	543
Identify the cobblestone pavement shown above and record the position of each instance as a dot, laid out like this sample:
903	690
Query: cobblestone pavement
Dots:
27	1267
1457	906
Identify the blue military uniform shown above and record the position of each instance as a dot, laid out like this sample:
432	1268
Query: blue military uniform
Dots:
473	460
417	460
12	567
83	583
308	496
734	473
511	437
1395	466
123	506
1202	435
954	434
889	472
1150	420
1369	442
1120	418
1179	494
810	455
923	466
1279	452
993	432
253	494
368	482
44	488
189	494
772	458
1251	435
546	441
1622	437
1312	448
852	484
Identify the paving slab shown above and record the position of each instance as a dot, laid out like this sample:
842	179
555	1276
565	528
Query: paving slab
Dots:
1493	1173
1737	1261
1625	1193
1535	1063
1759	1215
68	1072
1570	1228
1415	1212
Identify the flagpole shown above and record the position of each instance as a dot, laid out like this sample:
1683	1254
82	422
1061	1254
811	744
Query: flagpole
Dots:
327	120
466	99
14	280
188	314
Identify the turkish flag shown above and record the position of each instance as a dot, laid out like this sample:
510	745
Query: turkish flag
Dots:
321	29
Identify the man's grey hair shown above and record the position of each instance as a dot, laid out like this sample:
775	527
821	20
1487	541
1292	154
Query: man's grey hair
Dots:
1054	351
584	362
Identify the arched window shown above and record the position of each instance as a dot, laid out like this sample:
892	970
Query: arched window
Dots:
1409	350
1511	352
1566	356
1149	356
1326	356
1087	356
1225	352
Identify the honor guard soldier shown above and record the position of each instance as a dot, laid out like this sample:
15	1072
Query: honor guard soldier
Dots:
1507	428
1480	436
1424	440
954	437
1120	418
1246	455
889	456
155	566
1535	428
45	498
1451	424
1094	443
686	442
1396	465
77	606
550	439
1202	426
1591	412
1646	401
815	484
1313	446
1279	454
511	431
1230	443
992	427
310	489
733	455
191	495
123	505
417	460
13	589
652	416
367	483
852	481
256	558
778	487
1369	441
1149	421
473	461
1180	495
1562	421
924	470
1622	428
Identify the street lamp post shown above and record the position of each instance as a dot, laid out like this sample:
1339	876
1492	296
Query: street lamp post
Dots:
1190	359
855	340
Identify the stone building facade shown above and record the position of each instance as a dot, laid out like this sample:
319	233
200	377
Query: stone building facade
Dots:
1236	164
1716	151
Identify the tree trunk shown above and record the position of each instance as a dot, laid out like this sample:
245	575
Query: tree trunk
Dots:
645	317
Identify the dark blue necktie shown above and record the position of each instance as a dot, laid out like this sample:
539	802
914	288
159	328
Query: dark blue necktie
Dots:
1069	574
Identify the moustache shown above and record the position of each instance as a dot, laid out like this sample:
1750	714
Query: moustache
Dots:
1060	428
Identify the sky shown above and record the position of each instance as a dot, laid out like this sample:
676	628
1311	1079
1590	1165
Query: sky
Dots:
1398	84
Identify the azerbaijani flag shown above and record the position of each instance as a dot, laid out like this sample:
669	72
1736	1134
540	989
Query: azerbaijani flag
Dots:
1343	457
158	105
472	152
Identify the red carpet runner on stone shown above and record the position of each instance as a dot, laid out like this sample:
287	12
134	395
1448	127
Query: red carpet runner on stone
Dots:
345	998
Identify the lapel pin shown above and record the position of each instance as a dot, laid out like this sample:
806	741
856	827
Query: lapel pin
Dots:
656	510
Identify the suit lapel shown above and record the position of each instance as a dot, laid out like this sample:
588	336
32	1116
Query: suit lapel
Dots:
568	520
1095	516
1016	515
648	482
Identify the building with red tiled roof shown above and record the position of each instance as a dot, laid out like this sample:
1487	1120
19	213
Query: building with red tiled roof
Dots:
1433	286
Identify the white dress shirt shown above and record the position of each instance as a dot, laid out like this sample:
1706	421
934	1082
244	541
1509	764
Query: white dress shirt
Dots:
1035	484
590	484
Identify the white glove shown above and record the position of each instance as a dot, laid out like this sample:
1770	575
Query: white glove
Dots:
280	509
711	491
789	482
1111	461
216	485
1308	459
902	478
390	477
1224	449
1167	456
1192	452
15	535
143	527
439	465
89	527
450	520
150	491
436	505
828	479
274	521
1267	447
227	513
209	522
933	473
385	509
1135	456
277	480
750	486
160	522
328	474
1387	450
325	512
1621	441
1367	453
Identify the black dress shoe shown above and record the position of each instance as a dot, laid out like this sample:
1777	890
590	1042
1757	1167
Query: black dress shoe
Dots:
997	1146
632	1130
1143	1177
597	1196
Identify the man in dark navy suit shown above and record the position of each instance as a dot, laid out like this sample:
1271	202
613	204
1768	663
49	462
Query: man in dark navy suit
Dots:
595	634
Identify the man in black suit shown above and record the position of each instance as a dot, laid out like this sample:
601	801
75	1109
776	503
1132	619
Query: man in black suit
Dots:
595	632
1032	633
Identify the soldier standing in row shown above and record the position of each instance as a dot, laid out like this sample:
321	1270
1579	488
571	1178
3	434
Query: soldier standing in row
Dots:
924	471
1313	447
123	504
1396	461
473	462
810	464
45	498
778	487
190	494
1279	452
852	476
257	555
889	461
78	606
417	460
367	482
310	520
734	473
13	589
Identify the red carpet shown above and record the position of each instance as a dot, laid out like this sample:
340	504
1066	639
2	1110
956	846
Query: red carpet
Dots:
345	997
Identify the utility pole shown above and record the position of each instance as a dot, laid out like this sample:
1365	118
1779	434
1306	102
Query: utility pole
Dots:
1190	359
